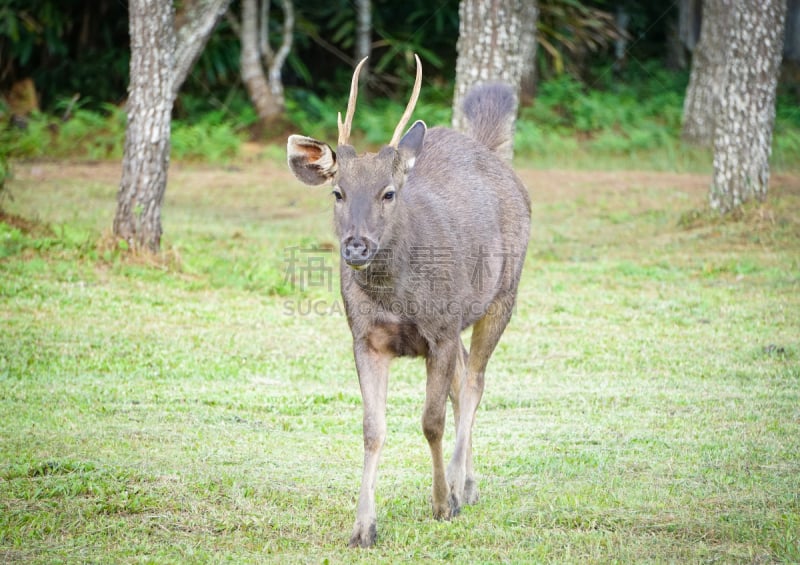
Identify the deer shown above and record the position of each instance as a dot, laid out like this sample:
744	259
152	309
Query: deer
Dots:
433	231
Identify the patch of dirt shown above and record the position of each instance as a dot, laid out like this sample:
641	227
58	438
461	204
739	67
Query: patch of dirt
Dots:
283	196
25	225
198	176
226	190
549	186
94	171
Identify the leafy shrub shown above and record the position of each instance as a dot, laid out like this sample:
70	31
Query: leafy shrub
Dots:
312	115
211	139
87	133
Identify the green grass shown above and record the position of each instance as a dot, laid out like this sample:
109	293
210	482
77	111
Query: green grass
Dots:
643	405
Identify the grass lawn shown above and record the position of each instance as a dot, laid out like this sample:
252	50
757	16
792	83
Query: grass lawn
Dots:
643	405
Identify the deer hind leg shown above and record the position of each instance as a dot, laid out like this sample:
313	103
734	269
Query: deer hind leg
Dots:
459	378
441	365
485	335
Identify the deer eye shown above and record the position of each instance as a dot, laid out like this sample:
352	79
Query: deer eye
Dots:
337	195
389	196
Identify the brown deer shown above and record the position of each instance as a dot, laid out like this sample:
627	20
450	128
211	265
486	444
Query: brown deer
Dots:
433	230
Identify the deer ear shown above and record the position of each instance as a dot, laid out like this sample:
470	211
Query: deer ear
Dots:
411	145
312	162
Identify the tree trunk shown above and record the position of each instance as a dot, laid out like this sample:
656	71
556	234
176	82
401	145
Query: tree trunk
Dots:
252	73
677	55
363	36
527	40
743	135
160	61
146	154
275	59
194	24
488	47
265	89
707	80
791	48
690	17
621	20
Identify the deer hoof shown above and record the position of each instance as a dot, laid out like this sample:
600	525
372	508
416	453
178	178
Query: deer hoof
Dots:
455	505
470	492
441	511
444	510
364	535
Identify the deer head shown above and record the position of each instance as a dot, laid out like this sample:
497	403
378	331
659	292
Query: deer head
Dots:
368	188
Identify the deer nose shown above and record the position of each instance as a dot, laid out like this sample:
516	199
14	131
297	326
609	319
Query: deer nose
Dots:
358	251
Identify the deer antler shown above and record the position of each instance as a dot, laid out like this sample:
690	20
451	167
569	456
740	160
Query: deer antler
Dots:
344	128
398	132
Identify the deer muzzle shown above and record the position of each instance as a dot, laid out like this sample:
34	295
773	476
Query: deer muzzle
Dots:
358	252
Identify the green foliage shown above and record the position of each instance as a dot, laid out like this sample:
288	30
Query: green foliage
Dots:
67	48
564	102
633	120
375	119
602	118
566	116
786	136
87	133
5	171
95	135
568	31
311	114
212	139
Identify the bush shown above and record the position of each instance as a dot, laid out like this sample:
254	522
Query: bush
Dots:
212	139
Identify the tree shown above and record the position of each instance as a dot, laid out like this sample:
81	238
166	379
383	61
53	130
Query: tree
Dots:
265	89
743	132
363	34
527	87
690	14
160	60
194	24
707	79
489	49
791	49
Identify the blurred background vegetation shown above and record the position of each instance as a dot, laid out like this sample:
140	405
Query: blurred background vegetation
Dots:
64	67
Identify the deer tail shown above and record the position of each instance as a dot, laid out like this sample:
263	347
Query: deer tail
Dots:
490	114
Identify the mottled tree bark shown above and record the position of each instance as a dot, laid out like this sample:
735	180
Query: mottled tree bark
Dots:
489	46
146	153
161	57
743	133
701	105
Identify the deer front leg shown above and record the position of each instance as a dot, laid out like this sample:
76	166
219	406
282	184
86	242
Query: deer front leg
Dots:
373	376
